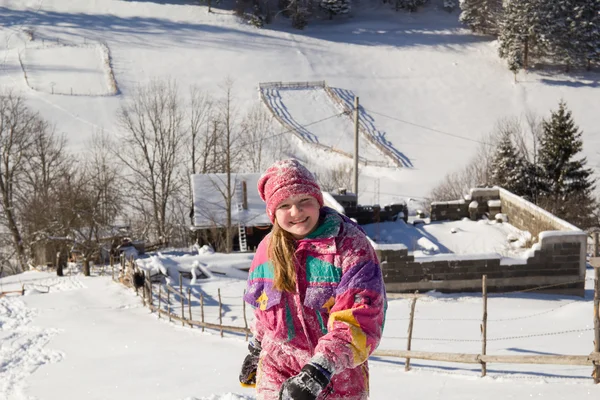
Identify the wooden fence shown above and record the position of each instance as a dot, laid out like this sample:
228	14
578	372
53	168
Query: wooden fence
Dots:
165	306
592	359
185	299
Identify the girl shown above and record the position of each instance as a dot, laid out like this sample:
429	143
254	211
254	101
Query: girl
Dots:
318	293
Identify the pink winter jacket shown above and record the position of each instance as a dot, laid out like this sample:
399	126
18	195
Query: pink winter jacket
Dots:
335	319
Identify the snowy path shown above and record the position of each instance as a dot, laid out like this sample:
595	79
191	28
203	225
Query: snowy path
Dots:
90	338
22	347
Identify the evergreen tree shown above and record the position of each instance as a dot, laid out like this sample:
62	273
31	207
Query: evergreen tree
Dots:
558	32
586	28
410	5
522	30
508	168
566	185
482	16
335	7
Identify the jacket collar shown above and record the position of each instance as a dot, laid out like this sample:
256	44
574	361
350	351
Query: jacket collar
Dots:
322	240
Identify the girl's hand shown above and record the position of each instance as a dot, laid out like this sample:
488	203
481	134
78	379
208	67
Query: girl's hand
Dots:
250	365
307	385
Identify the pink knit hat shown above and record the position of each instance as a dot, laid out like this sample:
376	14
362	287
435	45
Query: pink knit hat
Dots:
284	179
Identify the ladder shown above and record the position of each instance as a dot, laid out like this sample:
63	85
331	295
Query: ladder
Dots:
240	208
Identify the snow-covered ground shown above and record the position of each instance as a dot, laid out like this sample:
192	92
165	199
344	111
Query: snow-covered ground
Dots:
425	80
50	69
451	237
90	338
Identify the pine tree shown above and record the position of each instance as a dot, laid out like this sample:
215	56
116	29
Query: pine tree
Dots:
586	29
558	33
410	5
508	168
335	7
522	29
482	16
566	185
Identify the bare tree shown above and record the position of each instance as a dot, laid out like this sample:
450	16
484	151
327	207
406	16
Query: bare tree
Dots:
339	177
47	165
150	147
229	144
201	135
476	173
261	144
17	128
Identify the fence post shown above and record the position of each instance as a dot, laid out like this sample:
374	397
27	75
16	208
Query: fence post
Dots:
596	250
484	323
159	298
190	306
182	298
144	291
169	302
244	309
410	329
150	291
202	310
220	313
112	267
596	373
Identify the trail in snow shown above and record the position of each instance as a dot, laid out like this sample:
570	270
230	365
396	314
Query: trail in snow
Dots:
22	348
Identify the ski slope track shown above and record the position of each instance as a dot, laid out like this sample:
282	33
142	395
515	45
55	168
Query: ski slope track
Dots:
323	117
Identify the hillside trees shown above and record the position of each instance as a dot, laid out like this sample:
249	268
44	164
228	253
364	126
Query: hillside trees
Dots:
547	169
508	168
150	147
261	145
564	32
335	7
229	146
566	185
482	16
18	126
587	32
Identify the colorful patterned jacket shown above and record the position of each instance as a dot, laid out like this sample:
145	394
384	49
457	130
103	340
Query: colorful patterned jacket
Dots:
336	317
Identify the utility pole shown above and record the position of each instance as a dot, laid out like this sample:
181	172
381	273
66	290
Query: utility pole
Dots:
355	186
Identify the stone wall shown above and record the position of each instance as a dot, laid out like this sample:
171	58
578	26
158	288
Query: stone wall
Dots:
554	262
521	213
529	217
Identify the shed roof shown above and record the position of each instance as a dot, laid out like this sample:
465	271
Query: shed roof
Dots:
208	196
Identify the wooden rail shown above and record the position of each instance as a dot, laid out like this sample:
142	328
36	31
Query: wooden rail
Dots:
502	359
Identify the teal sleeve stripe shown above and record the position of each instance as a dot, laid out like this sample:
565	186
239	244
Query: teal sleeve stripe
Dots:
319	271
289	321
323	327
262	271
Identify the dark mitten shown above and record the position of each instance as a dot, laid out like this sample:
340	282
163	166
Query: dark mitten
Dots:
307	385
250	364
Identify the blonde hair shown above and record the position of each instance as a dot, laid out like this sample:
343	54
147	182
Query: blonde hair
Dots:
282	253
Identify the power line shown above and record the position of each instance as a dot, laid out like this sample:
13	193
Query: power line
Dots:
427	128
300	126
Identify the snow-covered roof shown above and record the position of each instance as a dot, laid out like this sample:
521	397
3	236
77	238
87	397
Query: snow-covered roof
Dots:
209	201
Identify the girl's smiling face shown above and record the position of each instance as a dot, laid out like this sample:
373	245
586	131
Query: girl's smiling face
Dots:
298	215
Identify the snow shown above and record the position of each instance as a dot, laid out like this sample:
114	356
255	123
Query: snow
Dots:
538	210
422	80
434	78
50	69
208	196
91	338
462	238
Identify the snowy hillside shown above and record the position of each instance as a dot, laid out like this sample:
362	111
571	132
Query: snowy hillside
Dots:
90	338
425	80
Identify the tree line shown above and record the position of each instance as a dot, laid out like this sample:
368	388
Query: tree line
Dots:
138	176
559	32
540	161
